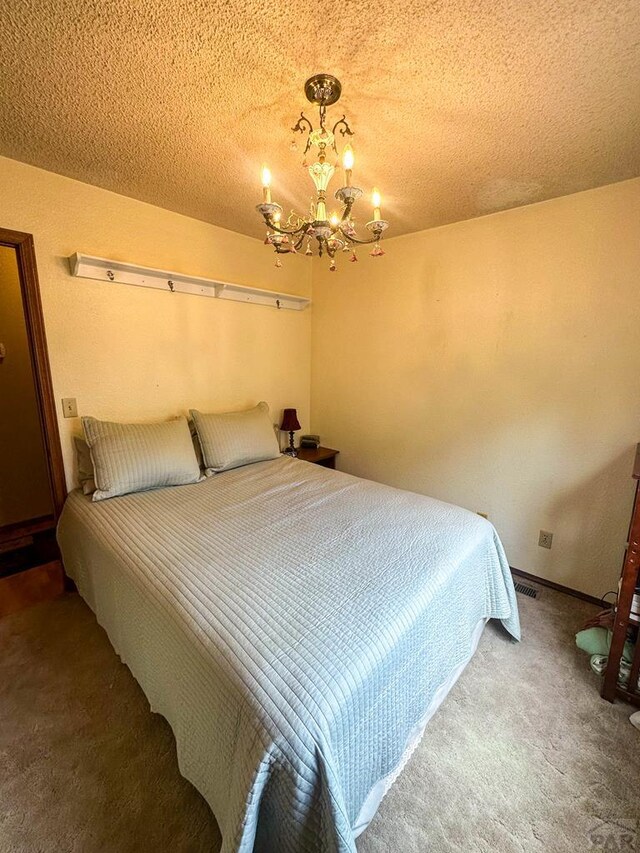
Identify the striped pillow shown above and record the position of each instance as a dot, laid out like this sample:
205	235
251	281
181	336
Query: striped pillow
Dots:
233	439
134	457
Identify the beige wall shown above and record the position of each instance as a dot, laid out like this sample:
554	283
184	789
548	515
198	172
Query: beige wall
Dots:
136	353
495	363
24	481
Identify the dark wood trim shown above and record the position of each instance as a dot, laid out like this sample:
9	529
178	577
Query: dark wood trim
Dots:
11	545
621	693
26	256
567	590
26	528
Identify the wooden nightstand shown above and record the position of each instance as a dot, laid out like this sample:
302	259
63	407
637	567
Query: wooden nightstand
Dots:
324	456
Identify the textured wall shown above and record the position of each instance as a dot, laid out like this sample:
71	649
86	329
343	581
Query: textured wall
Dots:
134	353
493	363
459	108
24	481
496	364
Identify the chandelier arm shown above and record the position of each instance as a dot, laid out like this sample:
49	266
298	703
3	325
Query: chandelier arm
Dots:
347	211
345	131
299	125
351	239
303	228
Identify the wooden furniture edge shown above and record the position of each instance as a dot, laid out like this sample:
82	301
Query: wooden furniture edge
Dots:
318	453
622	612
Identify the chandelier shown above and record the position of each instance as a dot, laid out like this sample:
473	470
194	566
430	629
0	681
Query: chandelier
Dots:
336	232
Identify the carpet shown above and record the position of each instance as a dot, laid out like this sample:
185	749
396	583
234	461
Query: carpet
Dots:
522	756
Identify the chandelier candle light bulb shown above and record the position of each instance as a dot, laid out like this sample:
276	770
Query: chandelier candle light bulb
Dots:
266	185
375	200
337	233
347	164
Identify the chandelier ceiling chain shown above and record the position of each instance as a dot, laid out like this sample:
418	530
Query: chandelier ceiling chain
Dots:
337	232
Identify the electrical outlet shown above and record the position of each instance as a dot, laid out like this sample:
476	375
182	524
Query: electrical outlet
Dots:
69	407
545	539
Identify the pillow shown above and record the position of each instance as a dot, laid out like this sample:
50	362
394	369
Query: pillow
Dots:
134	457
85	465
233	439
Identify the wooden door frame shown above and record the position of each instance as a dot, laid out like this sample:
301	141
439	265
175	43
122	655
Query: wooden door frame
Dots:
32	307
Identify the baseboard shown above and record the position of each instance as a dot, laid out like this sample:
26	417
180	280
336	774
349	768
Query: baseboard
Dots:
558	587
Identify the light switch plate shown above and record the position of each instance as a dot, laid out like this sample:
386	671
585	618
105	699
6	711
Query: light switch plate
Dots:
69	407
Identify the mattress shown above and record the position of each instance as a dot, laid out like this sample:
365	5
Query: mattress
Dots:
296	627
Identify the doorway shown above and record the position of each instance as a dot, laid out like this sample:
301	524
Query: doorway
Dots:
32	484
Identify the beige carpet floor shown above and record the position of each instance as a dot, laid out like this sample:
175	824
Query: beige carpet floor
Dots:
522	756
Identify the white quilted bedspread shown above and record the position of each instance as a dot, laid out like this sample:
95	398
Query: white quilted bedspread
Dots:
293	625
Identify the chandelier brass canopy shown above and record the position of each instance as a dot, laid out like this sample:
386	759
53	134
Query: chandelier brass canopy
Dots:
336	232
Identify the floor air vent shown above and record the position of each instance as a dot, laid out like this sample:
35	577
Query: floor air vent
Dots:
525	589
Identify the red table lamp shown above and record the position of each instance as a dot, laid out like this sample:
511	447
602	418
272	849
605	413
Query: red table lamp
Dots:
289	424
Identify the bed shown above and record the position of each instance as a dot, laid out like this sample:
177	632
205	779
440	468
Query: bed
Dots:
296	626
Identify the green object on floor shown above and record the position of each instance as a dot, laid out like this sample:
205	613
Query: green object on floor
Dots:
597	641
593	641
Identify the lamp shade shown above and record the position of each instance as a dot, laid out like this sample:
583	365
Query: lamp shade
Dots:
290	421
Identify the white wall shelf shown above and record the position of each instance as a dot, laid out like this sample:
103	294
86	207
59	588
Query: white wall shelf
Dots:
118	272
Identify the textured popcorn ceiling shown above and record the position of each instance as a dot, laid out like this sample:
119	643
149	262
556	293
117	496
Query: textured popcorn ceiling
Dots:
460	108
